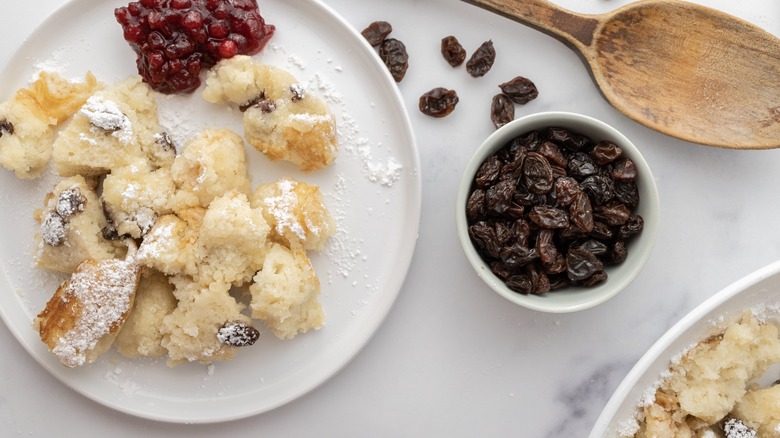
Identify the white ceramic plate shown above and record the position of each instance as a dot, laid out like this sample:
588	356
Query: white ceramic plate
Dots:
759	291
361	270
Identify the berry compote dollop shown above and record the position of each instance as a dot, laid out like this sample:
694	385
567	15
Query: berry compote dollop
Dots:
175	39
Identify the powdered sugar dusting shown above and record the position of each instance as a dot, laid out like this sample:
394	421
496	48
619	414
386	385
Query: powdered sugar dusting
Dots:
342	249
104	291
384	172
282	207
155	242
105	114
54	229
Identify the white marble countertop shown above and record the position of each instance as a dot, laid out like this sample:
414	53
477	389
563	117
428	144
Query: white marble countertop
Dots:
453	358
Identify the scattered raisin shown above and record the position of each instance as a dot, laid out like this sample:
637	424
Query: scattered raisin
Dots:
163	139
502	111
452	51
393	54
237	334
297	92
7	127
734	428
70	202
438	102
376	32
109	232
266	106
520	90
481	60
252	102
551	208
54	229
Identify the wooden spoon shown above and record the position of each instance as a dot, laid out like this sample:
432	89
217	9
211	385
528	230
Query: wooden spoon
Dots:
688	71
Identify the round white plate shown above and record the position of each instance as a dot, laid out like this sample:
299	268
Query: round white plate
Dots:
759	292
373	190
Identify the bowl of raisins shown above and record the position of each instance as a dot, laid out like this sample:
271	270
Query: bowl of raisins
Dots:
549	212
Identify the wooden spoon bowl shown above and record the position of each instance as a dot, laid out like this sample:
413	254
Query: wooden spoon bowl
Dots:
685	70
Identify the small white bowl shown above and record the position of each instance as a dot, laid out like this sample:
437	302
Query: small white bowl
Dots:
568	299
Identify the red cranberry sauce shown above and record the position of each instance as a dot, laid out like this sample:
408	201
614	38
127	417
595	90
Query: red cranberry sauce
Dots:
175	39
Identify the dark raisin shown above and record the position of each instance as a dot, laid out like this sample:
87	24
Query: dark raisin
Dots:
520	283
481	60
567	139
605	152
627	193
632	227
500	270
517	255
565	189
376	32
438	102
545	246
164	141
70	202
549	217
599	188
520	90
266	106
581	166
484	237
252	102
488	172
7	127
504	233
54	229
237	334
452	51
502	110
596	278
581	264
540	281
581	212
297	92
618	253
109	232
734	428
498	198
537	174
601	231
521	232
595	247
553	153
624	170
475	206
393	54
613	215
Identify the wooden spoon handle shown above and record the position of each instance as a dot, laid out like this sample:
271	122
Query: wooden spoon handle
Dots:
571	28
